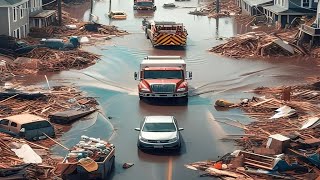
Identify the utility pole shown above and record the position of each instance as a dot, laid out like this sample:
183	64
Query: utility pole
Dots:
91	10
59	13
218	6
109	6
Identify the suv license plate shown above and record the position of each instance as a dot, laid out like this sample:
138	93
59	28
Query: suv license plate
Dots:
158	147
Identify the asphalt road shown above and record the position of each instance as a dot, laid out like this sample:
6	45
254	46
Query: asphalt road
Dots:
214	77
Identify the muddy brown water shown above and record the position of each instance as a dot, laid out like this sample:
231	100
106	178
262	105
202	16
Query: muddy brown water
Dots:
214	77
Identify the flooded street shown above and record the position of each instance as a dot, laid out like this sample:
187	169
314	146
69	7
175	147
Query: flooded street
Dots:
214	77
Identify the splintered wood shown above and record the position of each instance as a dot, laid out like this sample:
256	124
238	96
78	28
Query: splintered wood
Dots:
257	44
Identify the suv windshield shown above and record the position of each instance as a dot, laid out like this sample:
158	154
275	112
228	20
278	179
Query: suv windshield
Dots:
163	74
147	4
159	127
36	125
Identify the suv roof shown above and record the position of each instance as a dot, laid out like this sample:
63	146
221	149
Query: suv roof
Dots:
158	119
24	118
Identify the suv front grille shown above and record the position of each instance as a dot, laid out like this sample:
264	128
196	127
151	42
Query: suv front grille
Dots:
158	141
163	88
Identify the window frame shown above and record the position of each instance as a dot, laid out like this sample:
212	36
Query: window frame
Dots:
21	7
15	14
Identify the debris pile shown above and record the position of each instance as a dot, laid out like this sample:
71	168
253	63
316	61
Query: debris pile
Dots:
34	163
227	8
258	44
45	59
72	27
42	102
91	156
283	141
55	60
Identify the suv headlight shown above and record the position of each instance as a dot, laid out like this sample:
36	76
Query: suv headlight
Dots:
143	139
181	89
173	140
145	89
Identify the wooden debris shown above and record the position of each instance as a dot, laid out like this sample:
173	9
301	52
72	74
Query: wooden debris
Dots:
256	44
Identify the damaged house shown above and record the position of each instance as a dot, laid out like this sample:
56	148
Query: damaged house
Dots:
311	33
282	12
285	12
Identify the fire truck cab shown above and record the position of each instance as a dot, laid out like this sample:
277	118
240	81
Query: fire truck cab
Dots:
163	77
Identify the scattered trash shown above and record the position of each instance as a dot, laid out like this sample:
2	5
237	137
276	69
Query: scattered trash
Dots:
91	157
127	165
284	111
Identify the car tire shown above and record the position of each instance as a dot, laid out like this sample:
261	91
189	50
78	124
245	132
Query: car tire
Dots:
140	97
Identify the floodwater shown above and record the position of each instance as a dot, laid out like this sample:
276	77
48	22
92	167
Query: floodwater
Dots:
214	77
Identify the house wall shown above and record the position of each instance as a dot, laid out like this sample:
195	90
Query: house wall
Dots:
35	7
4	21
282	3
245	8
318	15
19	25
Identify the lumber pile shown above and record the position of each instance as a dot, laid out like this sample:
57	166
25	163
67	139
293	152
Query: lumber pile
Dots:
257	44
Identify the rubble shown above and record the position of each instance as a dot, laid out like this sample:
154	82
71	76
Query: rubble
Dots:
285	147
79	29
45	59
11	166
258	44
43	102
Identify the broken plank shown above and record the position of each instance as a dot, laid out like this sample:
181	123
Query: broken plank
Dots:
262	102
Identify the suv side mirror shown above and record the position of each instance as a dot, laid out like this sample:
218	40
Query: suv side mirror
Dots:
137	129
180	129
190	75
135	75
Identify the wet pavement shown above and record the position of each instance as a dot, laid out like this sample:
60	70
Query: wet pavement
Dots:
214	77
